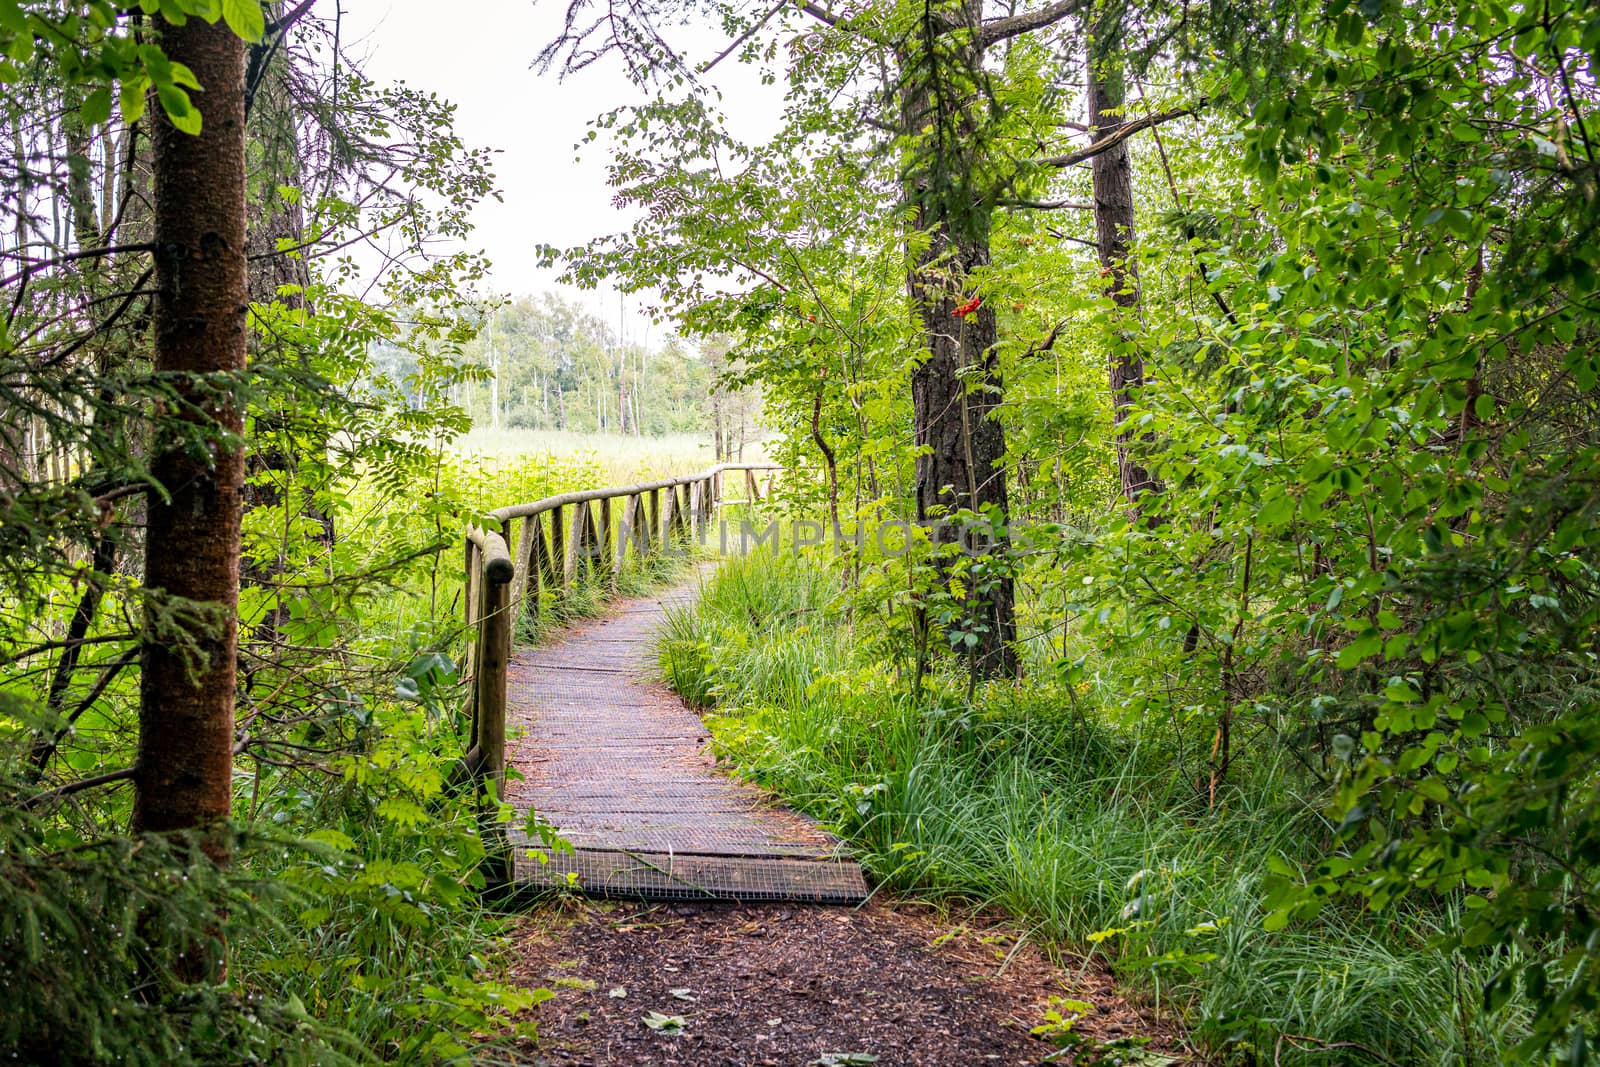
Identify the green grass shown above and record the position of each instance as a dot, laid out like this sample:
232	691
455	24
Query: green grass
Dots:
621	458
1083	829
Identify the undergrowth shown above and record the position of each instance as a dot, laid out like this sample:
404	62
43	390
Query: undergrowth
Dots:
352	918
1032	799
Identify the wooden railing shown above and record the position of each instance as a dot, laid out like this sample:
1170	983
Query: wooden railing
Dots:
551	544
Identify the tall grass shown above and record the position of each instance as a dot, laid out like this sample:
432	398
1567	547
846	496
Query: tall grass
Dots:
621	458
1030	801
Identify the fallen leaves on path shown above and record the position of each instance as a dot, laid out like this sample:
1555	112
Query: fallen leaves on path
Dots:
726	985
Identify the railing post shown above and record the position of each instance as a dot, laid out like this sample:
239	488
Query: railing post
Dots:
580	524
549	554
605	560
680	510
558	549
654	518
643	534
469	665
530	557
496	653
629	529
708	506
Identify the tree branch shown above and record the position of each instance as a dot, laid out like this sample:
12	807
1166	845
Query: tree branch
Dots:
745	36
78	787
53	646
83	253
43	752
290	19
1058	235
820	13
1001	29
1047	205
1122	133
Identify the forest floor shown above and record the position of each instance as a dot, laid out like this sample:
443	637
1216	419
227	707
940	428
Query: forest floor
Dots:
787	985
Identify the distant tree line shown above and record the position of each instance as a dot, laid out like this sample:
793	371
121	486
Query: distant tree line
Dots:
548	364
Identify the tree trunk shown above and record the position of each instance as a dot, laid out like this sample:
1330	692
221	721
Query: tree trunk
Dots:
955	414
1112	176
719	436
185	762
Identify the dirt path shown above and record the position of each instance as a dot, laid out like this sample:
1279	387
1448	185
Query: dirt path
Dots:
794	985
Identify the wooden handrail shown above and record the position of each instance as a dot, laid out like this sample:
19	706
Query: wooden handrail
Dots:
539	507
502	571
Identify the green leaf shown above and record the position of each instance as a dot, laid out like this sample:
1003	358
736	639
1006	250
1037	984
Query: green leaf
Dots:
182	75
132	98
665	1024
1276	509
1359	649
96	108
244	18
1401	693
183	114
12	19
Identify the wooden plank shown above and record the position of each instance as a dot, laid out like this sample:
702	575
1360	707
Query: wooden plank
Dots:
620	767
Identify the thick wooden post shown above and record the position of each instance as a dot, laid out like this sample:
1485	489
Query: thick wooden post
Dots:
750	486
491	685
469	609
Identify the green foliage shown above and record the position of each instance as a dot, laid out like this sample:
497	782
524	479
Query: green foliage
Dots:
87	930
349	919
93	45
1367	312
1042	802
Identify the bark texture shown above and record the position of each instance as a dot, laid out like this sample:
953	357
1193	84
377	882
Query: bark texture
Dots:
957	389
1112	177
185	763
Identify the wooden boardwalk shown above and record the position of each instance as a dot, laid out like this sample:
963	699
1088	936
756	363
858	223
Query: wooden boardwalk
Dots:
621	768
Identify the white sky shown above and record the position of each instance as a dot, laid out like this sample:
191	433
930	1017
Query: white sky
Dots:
477	55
